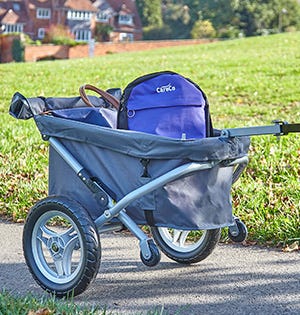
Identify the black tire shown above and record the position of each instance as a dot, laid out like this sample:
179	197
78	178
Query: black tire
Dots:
242	232
155	255
186	249
61	246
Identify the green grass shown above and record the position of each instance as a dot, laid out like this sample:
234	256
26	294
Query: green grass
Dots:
248	82
30	305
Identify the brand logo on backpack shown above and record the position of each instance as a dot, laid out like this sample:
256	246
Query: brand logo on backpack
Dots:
165	88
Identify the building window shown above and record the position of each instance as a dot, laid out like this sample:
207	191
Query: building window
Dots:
16	7
126	37
102	17
79	15
125	19
41	33
42	13
82	35
12	28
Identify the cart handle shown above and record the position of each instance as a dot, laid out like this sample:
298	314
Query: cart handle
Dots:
280	128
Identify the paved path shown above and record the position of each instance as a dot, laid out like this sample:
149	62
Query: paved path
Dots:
232	280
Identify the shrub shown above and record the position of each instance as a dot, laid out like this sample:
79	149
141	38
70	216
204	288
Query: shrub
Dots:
203	29
17	50
157	32
59	35
230	32
102	32
291	29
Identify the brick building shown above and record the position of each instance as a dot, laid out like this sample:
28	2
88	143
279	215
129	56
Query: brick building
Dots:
86	19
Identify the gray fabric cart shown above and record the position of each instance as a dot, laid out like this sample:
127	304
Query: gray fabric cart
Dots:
103	179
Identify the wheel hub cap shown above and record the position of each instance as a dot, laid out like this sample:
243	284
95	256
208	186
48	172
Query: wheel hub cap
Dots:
56	246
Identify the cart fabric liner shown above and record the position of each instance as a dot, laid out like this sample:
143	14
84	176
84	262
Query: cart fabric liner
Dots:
198	201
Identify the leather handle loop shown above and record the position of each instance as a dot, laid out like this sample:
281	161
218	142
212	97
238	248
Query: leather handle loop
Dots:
108	97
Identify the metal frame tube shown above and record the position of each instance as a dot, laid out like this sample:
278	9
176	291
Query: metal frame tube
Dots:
139	234
252	131
131	225
149	187
280	128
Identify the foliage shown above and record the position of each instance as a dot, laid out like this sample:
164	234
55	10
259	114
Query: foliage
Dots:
230	18
248	82
252	17
203	29
102	32
219	12
59	35
27	40
176	16
230	32
157	33
150	12
17	50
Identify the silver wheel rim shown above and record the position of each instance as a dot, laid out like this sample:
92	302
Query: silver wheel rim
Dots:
57	248
181	240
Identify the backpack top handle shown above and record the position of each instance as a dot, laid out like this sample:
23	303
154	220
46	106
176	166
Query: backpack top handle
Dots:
105	95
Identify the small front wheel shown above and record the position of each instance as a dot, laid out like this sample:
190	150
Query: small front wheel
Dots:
186	247
61	246
238	232
155	256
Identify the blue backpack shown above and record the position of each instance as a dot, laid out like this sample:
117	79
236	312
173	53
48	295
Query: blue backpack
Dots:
167	104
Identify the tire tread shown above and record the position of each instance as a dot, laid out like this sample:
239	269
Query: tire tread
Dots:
89	234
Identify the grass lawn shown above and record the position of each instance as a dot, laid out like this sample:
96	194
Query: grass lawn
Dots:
30	305
248	82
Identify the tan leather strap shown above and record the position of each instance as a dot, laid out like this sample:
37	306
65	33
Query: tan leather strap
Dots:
106	96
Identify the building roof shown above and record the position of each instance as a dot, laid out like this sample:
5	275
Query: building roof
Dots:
82	5
40	4
117	5
12	12
10	17
103	5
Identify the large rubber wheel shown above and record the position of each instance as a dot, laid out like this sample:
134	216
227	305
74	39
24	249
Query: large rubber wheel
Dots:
61	246
186	247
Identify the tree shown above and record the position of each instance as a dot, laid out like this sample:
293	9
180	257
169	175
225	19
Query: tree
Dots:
177	17
251	17
220	12
286	14
276	15
150	12
194	10
229	18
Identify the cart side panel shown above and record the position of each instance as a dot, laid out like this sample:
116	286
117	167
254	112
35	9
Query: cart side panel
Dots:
115	170
198	201
201	201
